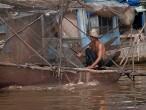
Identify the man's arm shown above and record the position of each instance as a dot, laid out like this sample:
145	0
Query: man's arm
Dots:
100	47
80	54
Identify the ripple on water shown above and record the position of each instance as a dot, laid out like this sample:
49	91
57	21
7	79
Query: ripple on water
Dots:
69	86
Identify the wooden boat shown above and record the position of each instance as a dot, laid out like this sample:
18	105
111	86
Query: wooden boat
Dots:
28	43
12	74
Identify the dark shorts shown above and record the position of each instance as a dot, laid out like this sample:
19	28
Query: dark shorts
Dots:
91	57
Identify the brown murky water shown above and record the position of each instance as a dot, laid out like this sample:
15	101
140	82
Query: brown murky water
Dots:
124	95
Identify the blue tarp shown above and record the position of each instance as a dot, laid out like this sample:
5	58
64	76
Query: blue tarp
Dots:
131	2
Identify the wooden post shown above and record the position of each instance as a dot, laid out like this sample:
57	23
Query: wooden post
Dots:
144	22
144	19
60	35
42	25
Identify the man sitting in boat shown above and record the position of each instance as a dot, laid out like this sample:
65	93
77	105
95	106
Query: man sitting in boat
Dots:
95	53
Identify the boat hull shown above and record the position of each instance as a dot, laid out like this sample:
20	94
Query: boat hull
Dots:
26	75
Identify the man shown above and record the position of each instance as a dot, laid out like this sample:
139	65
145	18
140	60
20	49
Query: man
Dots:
95	54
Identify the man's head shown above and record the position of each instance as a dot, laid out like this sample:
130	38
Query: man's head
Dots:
94	32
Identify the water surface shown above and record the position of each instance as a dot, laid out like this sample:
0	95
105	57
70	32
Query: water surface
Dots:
123	95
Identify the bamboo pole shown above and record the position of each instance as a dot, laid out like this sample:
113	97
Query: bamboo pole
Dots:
90	70
131	46
60	39
132	52
114	62
63	69
31	66
71	70
122	60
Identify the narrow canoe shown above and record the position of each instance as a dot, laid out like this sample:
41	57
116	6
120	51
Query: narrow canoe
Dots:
12	74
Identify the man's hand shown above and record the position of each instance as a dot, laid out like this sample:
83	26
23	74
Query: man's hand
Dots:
79	54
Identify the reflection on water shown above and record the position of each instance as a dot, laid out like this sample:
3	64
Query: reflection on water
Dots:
124	95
